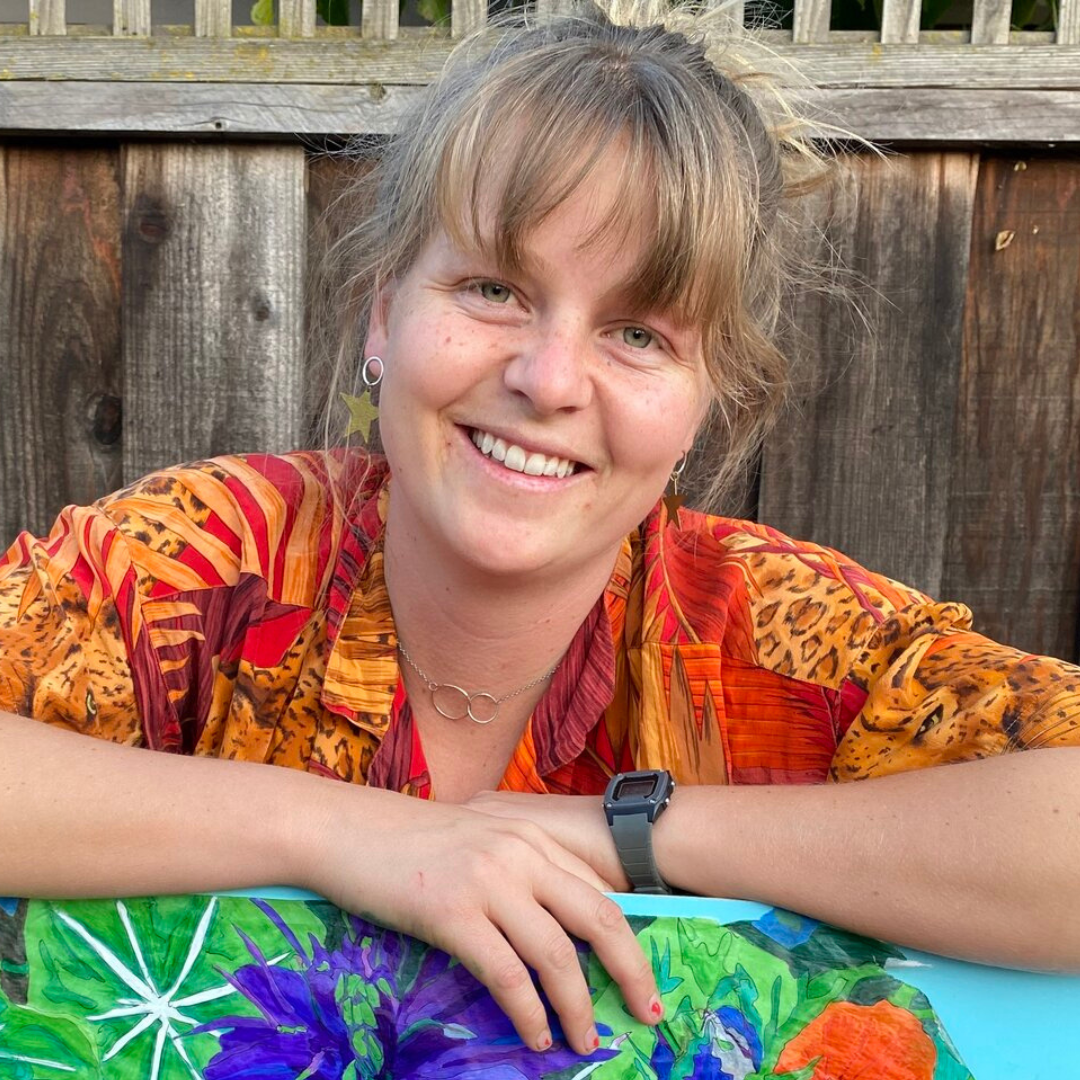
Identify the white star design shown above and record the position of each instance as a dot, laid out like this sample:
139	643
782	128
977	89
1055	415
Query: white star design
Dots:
152	1005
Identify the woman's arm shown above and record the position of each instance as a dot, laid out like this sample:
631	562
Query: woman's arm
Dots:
979	860
82	817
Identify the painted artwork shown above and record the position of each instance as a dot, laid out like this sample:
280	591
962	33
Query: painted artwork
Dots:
229	987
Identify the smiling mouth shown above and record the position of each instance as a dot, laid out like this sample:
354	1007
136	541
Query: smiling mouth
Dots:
513	457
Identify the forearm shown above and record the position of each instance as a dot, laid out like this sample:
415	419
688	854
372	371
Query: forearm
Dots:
980	860
81	817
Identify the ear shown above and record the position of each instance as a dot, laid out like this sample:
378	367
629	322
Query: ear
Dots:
377	340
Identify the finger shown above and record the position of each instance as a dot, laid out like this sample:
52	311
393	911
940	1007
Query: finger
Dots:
546	947
484	951
599	921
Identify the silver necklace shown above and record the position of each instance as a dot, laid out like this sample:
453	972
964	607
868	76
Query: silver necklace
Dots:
455	703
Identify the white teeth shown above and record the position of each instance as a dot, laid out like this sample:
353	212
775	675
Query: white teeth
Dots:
515	458
519	460
534	465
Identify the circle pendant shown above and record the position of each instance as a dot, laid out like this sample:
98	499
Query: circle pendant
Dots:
451	701
483	708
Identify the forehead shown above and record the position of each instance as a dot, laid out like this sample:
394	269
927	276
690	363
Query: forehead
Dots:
601	198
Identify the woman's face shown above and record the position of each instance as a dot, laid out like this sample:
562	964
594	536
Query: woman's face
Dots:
580	406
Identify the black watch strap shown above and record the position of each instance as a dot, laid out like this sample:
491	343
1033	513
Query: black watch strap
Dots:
633	841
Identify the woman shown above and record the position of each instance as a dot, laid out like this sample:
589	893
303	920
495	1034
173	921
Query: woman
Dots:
576	258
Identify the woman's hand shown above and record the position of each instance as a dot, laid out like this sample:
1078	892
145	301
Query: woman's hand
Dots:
501	895
576	822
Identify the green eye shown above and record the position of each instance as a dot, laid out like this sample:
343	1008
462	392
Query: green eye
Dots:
636	337
494	292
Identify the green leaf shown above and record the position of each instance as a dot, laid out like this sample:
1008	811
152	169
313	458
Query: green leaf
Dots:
92	958
30	1043
435	11
262	12
333	12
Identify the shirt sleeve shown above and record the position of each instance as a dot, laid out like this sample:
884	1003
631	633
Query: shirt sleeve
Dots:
113	624
936	692
67	612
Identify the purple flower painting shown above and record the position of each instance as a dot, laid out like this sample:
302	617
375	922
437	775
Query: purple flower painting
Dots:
376	1006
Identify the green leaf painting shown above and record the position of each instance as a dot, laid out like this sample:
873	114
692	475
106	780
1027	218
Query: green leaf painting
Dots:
216	987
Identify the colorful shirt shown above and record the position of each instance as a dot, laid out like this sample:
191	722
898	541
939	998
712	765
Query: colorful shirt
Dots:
237	608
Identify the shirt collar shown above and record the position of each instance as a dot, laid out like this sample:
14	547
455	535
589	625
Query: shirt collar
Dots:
362	671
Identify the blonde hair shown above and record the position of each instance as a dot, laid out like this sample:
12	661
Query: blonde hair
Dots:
516	121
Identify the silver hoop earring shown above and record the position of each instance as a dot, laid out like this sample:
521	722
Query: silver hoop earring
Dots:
368	373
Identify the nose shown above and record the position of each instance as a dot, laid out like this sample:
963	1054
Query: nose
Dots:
552	371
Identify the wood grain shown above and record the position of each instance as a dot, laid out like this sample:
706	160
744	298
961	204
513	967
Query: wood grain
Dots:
60	367
417	56
212	301
48	17
1014	545
811	21
249	109
296	18
864	465
990	22
131	18
1068	25
379	19
900	22
213	18
467	16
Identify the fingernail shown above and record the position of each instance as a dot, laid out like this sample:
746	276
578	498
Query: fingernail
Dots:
592	1040
544	1042
656	1008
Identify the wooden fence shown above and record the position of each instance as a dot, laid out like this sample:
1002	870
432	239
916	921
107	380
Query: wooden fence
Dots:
986	83
152	291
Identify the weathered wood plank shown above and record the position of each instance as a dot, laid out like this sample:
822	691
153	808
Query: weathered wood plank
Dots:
131	18
990	22
1068	25
296	18
467	16
247	110
60	377
254	110
212	300
811	21
952	116
48	17
1014	550
213	18
900	22
379	19
864	465
416	58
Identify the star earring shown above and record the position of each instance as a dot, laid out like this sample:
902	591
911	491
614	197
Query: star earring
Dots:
674	500
363	411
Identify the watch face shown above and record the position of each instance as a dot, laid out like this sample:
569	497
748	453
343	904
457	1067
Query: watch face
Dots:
635	787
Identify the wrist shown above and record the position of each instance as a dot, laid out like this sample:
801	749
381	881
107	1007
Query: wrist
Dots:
668	835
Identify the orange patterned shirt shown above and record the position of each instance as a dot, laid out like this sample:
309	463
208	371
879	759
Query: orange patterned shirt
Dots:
237	608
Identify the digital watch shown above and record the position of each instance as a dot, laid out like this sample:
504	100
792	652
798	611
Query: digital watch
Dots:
633	802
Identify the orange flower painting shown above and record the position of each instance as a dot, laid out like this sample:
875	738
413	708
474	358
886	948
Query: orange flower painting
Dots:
858	1041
